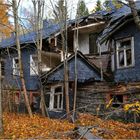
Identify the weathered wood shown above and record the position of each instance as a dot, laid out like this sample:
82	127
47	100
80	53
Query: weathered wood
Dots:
84	132
1	112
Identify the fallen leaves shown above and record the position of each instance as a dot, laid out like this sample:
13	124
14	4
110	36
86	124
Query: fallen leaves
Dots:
22	126
110	129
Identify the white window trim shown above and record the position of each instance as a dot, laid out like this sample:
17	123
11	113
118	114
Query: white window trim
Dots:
51	102
15	68
33	68
132	55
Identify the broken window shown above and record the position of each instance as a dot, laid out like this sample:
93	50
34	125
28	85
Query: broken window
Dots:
93	48
125	53
57	101
33	65
117	100
55	97
16	66
58	98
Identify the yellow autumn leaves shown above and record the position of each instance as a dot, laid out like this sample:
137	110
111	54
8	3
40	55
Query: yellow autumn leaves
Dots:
134	107
19	126
109	129
22	126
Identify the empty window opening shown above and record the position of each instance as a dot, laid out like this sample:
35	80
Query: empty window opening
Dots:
57	101
117	100
54	97
93	48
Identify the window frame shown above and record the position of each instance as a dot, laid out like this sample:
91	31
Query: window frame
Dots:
33	67
16	70
52	99
118	42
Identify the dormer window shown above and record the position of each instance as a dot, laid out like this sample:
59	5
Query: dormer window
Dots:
125	53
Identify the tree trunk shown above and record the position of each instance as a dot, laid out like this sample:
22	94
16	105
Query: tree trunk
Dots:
76	36
38	17
1	113
66	77
62	19
15	12
134	12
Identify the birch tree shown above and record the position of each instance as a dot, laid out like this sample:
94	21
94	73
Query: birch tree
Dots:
62	20
38	6
23	86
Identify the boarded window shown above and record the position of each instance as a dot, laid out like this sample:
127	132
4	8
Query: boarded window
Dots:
93	48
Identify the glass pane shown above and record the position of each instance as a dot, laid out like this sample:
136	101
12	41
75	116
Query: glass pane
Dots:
121	58
16	60
58	89
126	44
129	57
55	101
47	99
60	100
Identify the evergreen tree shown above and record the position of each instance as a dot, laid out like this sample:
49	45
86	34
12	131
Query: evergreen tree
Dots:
110	4
98	6
82	10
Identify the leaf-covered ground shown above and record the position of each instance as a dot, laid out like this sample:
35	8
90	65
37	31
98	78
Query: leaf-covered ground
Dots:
22	126
110	129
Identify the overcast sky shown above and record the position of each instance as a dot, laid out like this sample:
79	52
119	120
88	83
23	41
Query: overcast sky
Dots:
72	5
26	8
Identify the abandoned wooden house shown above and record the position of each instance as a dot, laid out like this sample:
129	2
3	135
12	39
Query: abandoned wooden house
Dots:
106	43
11	85
87	73
107	63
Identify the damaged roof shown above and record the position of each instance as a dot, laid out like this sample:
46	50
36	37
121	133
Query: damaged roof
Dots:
31	36
117	17
89	72
48	30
